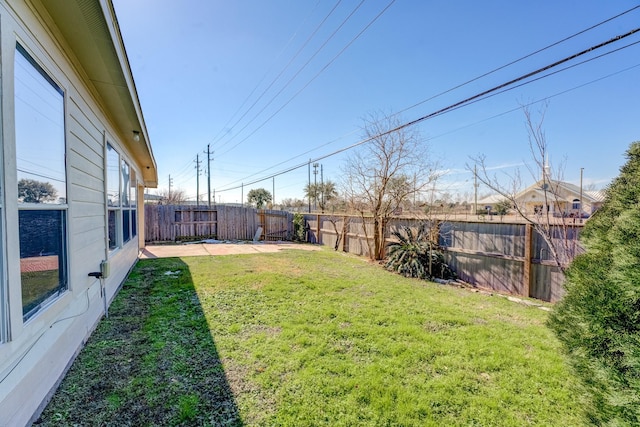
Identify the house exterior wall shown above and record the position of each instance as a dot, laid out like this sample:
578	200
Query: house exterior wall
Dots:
34	353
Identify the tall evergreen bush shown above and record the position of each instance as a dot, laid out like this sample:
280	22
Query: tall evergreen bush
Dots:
598	320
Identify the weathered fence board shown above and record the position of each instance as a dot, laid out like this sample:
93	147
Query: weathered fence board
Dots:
176	222
506	257
490	255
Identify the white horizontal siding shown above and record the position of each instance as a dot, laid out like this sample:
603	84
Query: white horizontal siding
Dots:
38	366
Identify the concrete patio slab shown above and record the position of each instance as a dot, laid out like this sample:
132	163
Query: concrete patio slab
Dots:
217	249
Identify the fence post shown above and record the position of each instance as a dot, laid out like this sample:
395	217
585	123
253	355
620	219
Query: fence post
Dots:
318	230
528	254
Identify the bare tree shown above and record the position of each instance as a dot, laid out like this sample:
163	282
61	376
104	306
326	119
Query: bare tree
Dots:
341	234
554	230
385	172
176	196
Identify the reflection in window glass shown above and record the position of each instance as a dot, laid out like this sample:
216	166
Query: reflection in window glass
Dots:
121	189
42	195
113	177
125	183
42	257
134	205
39	115
126	224
133	189
113	241
134	227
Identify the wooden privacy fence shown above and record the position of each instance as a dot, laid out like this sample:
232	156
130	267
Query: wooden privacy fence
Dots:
501	256
177	222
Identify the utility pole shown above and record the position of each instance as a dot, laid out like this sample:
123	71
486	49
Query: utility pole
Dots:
197	180
315	186
309	184
580	211
273	194
242	194
321	188
475	186
209	160
170	183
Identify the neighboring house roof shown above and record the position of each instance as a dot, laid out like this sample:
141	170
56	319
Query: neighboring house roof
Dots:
565	191
97	50
597	195
557	188
491	199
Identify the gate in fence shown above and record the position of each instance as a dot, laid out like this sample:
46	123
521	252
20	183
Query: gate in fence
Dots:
182	223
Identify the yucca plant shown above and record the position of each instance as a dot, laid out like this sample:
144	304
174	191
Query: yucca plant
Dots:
415	255
409	255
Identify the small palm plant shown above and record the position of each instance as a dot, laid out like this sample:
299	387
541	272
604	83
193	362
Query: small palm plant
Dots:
415	255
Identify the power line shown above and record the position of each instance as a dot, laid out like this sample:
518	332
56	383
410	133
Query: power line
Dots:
536	101
448	90
495	70
323	69
215	138
456	105
273	98
306	42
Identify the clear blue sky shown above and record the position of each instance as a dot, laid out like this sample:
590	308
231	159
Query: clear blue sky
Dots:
199	65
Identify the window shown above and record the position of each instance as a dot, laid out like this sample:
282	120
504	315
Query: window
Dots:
121	199
576	204
113	195
42	187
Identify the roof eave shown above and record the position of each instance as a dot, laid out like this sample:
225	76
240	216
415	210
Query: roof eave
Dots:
91	30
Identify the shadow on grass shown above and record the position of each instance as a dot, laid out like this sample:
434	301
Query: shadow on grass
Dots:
152	362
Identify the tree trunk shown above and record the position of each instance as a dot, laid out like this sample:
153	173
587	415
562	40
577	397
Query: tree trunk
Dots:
379	227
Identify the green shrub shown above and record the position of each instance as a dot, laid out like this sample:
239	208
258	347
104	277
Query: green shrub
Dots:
502	207
598	320
409	256
298	227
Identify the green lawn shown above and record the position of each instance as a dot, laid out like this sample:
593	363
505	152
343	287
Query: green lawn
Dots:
302	338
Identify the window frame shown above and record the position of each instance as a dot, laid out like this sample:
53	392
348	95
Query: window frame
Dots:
61	206
576	204
125	207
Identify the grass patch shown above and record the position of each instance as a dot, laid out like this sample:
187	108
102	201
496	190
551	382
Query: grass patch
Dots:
306	339
37	285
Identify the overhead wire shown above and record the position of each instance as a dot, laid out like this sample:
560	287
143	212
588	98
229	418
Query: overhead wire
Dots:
529	55
487	96
184	169
537	101
441	93
331	154
454	106
462	84
276	78
288	83
323	69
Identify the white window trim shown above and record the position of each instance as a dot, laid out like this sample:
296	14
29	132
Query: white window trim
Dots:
44	305
119	210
